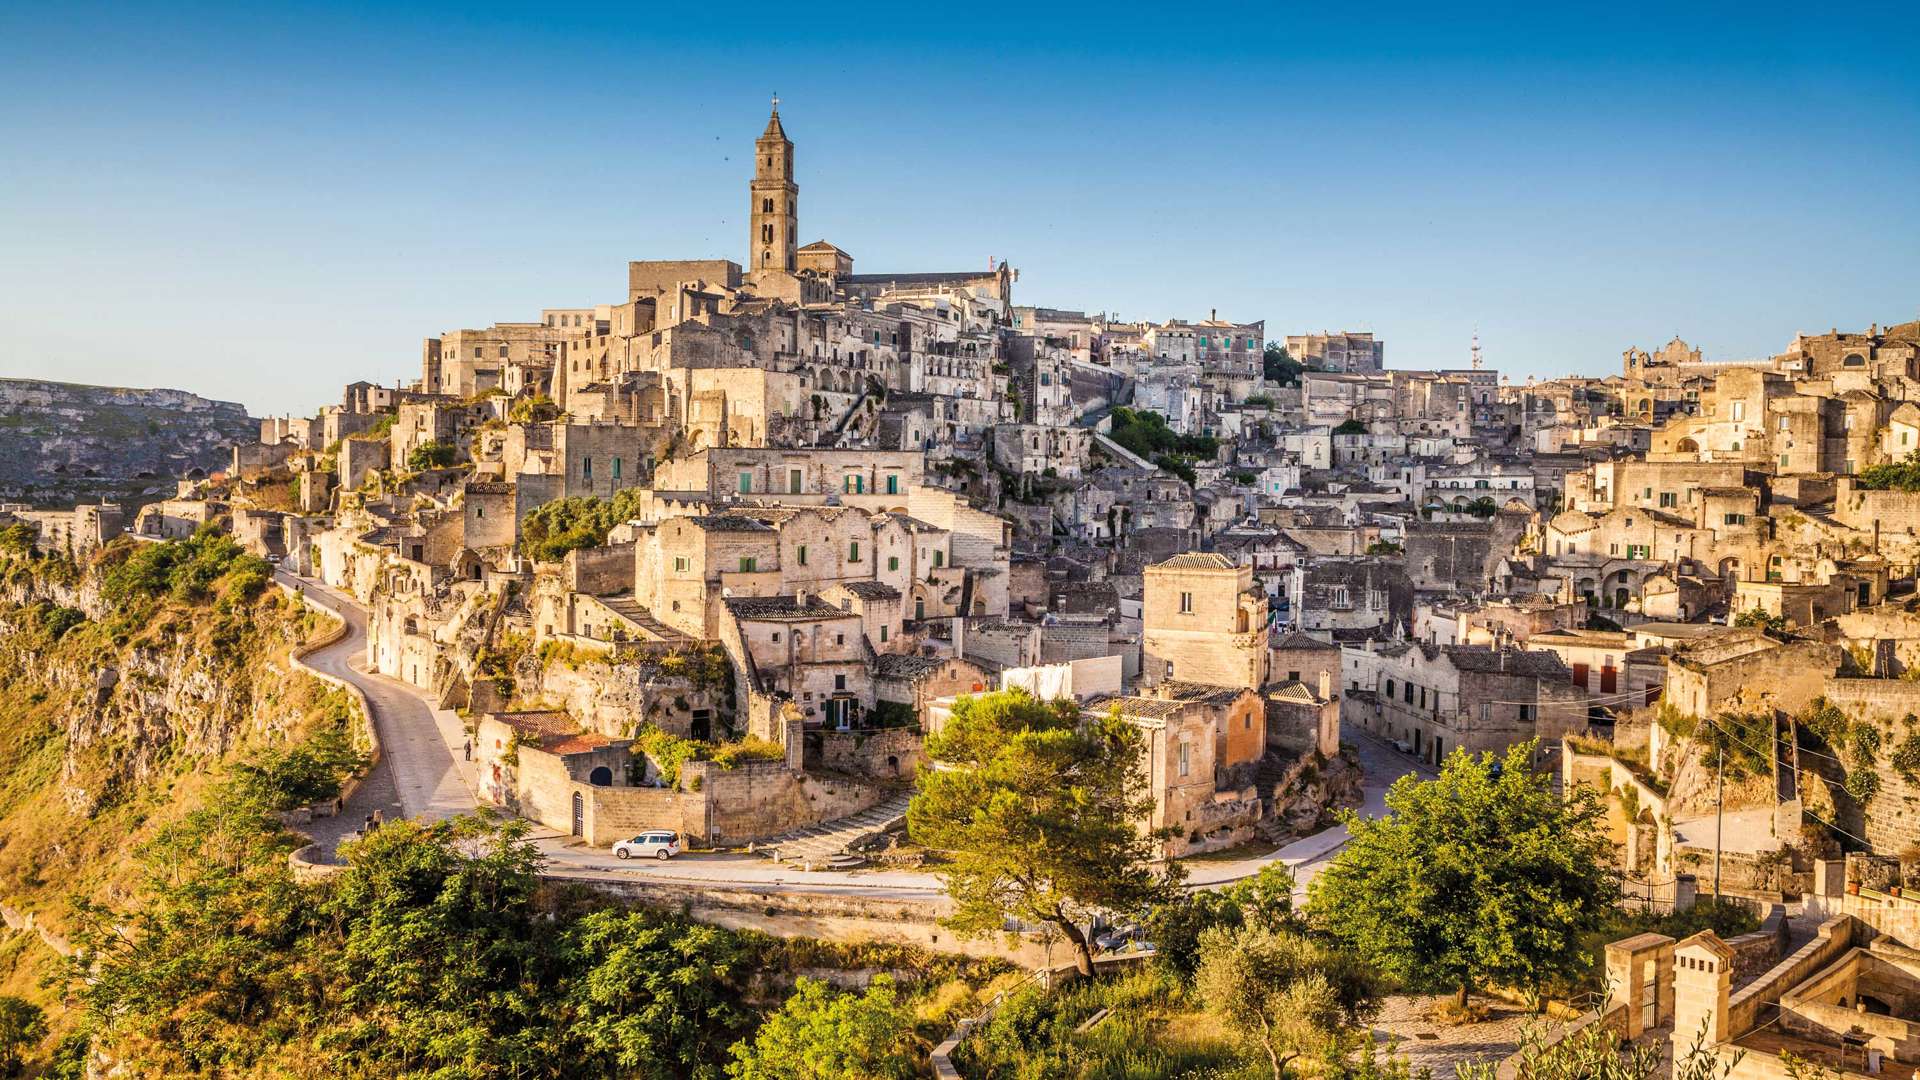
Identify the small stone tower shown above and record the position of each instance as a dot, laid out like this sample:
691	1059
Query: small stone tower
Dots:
1702	988
776	200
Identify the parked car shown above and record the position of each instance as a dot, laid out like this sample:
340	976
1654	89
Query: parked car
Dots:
659	844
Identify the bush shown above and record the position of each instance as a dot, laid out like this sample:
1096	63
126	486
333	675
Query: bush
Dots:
1903	475
188	570
568	524
534	410
432	454
1147	434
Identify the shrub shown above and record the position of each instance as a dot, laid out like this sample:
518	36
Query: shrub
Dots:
1906	757
568	524
432	454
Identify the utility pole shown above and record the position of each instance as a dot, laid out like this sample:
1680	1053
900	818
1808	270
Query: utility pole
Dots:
1719	802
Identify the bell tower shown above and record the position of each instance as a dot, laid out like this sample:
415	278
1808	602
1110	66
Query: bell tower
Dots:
776	200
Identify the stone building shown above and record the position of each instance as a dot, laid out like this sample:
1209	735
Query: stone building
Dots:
1342	351
1204	621
1436	699
1203	748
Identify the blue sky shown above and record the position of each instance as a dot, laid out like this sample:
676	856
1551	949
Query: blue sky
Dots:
264	202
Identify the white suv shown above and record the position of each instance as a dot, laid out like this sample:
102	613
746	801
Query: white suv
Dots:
660	845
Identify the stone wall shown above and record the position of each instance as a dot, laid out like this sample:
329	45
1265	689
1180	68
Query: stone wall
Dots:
789	912
888	754
758	800
1890	821
600	571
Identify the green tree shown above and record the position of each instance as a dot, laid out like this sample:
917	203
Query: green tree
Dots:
22	1026
1279	366
1483	874
432	454
1281	991
650	997
562	525
823	1034
201	972
1039	816
441	963
1176	924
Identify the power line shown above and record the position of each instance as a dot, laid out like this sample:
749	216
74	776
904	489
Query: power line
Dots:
1803	805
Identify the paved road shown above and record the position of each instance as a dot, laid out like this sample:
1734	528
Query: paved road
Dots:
416	777
424	775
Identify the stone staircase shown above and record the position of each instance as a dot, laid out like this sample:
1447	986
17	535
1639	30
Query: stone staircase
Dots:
1272	770
630	609
824	846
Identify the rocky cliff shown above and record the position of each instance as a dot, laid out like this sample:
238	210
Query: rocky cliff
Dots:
62	443
118	712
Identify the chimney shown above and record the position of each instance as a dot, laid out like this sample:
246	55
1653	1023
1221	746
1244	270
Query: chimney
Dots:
1326	685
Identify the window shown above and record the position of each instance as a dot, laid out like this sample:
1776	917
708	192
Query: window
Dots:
1784	423
749	564
853	551
794	481
616	468
893	562
1183	758
939	558
1735	519
1293	676
839	682
1389	687
586	468
1186	603
839	639
1669	499
1406	693
1526	712
883	635
746	483
1783	461
679	564
801	554
893	484
1739	410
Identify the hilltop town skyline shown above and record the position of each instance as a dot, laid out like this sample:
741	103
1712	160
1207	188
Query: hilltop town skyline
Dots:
269	205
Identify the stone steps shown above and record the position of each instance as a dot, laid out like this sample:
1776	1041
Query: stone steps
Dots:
826	844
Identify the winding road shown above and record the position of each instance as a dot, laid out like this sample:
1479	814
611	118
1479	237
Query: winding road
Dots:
423	774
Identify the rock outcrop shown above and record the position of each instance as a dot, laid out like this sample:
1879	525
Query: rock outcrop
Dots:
62	443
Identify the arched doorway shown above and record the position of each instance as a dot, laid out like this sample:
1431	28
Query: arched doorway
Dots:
579	814
600	777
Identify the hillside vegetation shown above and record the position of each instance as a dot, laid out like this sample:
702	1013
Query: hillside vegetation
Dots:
158	731
129	686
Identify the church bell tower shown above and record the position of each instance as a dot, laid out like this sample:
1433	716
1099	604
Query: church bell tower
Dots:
776	200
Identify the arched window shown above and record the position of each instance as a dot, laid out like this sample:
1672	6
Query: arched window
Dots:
1854	360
